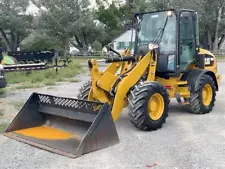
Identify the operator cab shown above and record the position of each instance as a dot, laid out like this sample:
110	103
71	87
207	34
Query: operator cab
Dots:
176	35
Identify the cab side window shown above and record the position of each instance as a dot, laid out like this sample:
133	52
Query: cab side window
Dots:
187	38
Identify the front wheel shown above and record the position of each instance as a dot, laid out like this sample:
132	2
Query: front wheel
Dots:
148	105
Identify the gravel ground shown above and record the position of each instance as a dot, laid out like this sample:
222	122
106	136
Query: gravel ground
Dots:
186	141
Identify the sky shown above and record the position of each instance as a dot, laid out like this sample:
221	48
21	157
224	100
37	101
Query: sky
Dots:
32	9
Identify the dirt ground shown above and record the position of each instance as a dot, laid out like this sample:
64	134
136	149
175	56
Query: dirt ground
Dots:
186	141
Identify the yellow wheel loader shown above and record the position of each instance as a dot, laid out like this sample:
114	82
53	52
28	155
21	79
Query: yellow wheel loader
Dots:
165	63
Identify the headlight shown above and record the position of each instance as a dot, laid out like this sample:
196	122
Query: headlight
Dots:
169	13
209	60
152	46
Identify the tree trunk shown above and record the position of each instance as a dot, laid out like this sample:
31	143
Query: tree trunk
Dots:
5	38
65	44
209	40
216	40
13	44
17	41
221	42
81	46
74	45
85	38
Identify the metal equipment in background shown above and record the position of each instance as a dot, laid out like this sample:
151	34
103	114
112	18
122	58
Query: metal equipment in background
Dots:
25	67
31	57
32	61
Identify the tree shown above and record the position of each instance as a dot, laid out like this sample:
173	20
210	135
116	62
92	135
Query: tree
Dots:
15	25
110	18
73	22
117	17
211	18
38	41
70	21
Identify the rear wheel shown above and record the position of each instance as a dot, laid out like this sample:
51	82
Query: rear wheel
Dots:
83	94
148	105
202	101
84	91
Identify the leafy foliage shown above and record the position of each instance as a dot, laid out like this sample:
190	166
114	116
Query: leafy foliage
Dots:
40	41
15	25
211	17
72	22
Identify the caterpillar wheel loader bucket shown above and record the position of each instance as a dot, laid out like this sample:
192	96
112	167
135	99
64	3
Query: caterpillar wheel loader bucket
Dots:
65	126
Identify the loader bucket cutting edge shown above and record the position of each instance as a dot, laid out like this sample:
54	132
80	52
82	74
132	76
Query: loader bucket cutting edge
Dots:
65	126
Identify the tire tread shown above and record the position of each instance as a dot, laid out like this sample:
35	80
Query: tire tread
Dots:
138	97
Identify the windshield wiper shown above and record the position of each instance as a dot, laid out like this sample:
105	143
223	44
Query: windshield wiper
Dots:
160	33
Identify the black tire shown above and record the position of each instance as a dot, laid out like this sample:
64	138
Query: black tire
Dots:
196	103
84	91
138	100
30	62
83	94
21	62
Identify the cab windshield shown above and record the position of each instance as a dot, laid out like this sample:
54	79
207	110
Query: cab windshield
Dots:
151	28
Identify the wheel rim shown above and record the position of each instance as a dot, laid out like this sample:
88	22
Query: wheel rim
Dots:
156	106
207	95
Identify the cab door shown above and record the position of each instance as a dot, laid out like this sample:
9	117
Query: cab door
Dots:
187	38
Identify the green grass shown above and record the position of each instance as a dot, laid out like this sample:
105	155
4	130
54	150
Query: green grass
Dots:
29	86
42	78
49	82
3	126
3	91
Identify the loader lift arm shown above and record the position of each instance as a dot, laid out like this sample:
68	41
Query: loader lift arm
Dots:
98	78
130	78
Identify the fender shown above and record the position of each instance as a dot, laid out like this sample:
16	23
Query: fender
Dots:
194	76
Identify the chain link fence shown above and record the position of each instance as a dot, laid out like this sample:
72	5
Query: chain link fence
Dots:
220	54
84	54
